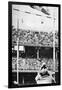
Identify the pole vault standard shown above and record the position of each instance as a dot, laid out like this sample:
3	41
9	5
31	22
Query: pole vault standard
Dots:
54	39
17	82
17	50
17	29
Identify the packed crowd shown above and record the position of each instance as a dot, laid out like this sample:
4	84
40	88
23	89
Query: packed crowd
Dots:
32	64
35	38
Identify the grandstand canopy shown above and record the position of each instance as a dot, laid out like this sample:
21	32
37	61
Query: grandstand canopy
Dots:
34	18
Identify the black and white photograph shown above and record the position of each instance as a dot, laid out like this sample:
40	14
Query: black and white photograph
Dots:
34	44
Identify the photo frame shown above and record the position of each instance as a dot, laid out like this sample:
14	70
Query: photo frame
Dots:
33	44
